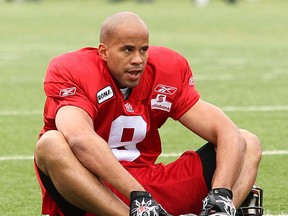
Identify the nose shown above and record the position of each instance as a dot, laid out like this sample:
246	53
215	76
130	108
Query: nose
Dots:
137	58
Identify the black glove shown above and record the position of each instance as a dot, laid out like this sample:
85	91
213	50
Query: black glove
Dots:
218	200
142	204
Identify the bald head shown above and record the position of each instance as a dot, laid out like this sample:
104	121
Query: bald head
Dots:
124	43
120	23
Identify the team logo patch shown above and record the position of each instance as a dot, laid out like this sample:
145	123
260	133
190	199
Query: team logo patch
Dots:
161	103
104	94
67	92
129	107
164	89
191	81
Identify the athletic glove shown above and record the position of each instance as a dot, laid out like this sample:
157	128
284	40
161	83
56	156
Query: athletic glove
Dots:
142	204
218	200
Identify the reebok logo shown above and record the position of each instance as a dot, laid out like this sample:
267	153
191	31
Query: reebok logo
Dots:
164	89
67	92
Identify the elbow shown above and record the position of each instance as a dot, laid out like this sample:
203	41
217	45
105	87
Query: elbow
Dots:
83	147
253	145
78	145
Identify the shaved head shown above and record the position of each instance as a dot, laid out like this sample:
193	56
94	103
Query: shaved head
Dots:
120	23
124	43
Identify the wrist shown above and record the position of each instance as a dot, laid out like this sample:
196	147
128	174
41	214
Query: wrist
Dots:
223	192
139	194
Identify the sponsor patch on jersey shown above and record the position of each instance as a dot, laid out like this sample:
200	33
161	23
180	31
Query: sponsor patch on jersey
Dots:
104	94
165	89
160	103
67	92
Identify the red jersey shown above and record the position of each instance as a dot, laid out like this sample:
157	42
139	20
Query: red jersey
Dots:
130	126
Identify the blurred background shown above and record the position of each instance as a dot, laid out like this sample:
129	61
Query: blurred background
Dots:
238	51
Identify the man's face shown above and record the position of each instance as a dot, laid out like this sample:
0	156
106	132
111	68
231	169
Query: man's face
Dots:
126	55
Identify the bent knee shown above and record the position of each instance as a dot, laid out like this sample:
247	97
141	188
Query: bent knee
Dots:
253	144
48	148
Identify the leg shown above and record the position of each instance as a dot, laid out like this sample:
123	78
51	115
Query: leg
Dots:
72	180
248	173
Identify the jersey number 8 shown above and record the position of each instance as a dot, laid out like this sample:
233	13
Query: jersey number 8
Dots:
125	133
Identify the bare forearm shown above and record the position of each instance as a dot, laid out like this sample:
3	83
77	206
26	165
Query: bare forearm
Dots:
100	160
92	151
229	158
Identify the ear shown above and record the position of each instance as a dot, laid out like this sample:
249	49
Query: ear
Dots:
102	49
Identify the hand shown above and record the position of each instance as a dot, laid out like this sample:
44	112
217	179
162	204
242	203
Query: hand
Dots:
218	200
142	204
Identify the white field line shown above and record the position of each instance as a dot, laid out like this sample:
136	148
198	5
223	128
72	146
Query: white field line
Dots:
17	157
20	112
255	108
225	109
267	152
172	154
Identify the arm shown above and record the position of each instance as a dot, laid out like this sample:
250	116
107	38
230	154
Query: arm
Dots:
213	125
92	151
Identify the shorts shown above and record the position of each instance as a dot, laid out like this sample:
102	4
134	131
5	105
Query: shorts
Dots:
179	186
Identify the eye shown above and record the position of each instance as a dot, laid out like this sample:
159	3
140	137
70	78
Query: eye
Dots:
128	49
144	49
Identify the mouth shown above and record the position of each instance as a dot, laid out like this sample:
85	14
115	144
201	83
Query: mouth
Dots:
134	74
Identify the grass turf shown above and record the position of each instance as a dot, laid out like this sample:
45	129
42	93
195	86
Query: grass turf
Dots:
238	54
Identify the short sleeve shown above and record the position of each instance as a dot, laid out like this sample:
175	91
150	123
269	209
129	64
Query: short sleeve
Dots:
62	89
187	96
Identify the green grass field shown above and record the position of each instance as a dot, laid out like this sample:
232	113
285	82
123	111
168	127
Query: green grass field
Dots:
238	53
